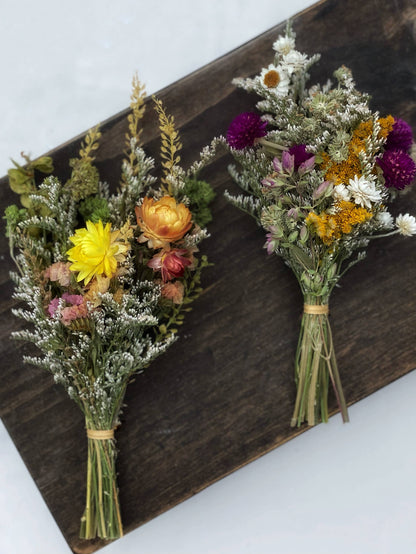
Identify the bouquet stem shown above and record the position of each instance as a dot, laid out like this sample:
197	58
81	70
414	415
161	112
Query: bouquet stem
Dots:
102	509
315	367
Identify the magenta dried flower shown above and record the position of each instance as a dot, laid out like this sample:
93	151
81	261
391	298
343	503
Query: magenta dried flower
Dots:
300	154
400	137
245	129
399	169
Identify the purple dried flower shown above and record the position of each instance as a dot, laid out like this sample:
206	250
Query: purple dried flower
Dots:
300	154
400	137
245	129
398	168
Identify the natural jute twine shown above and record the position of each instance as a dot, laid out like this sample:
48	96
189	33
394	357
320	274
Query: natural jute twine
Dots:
100	434
316	309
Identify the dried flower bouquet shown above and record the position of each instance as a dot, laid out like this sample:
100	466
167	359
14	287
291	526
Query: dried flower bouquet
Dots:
106	279
318	169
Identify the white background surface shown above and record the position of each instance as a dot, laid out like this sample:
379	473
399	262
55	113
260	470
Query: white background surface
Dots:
341	489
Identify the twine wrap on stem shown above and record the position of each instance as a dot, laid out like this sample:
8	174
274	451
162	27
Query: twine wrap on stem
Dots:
316	309
100	434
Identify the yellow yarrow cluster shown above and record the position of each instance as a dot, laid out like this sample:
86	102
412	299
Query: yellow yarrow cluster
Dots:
330	227
343	171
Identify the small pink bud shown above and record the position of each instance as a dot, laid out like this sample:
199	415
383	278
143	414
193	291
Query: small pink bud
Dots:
268	182
321	189
277	165
288	162
306	165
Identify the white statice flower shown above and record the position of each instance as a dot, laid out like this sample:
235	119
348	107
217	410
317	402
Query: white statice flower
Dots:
406	224
294	61
283	45
364	191
274	79
385	219
341	193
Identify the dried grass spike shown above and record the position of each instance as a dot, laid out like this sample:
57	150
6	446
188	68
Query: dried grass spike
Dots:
137	106
90	145
171	143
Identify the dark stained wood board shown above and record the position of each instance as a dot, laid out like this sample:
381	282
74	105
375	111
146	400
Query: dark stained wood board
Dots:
223	394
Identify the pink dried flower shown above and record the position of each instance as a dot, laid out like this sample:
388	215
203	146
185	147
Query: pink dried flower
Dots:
77	308
74	299
73	312
173	291
60	272
53	306
171	264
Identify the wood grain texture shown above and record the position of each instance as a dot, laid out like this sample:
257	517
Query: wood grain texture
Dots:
223	394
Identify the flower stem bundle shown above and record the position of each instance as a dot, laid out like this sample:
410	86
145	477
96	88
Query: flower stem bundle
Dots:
102	517
317	168
106	279
316	368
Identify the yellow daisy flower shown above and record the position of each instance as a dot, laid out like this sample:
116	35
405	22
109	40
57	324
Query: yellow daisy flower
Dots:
96	251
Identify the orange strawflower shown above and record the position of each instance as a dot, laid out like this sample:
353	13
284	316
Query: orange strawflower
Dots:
162	221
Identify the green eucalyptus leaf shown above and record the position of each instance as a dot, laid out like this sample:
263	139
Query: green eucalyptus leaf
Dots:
301	257
20	182
332	271
26	200
43	164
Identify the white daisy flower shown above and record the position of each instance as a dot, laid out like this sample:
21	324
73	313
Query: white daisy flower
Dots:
363	191
341	193
385	219
275	79
283	45
406	225
294	61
